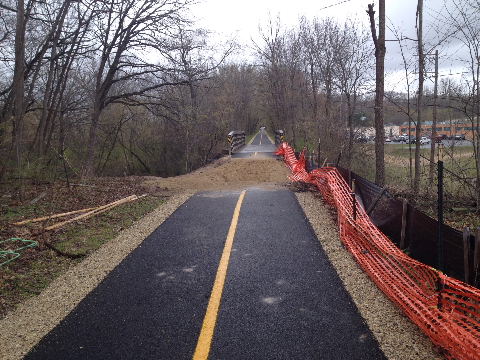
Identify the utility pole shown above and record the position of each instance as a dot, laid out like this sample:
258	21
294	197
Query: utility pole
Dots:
434	122
421	67
379	88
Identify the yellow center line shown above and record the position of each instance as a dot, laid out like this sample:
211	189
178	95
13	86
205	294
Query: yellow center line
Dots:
208	326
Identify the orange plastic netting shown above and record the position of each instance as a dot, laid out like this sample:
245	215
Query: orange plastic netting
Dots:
446	309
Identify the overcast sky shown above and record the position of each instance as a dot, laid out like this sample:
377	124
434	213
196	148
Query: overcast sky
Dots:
241	20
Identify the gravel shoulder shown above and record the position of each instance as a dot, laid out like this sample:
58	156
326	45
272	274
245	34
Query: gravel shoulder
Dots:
21	329
399	338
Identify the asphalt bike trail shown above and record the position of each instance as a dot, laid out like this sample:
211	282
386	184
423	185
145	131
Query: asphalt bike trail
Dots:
280	298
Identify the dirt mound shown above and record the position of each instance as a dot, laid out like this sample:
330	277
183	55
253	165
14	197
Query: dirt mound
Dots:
225	174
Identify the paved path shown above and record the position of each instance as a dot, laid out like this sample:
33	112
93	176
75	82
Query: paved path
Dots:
260	147
281	298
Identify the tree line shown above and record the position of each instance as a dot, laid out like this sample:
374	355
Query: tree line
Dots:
120	87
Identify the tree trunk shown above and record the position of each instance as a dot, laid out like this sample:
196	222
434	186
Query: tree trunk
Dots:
416	180
476	132
379	89
92	141
19	82
350	130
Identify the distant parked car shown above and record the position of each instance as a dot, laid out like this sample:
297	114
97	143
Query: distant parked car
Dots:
361	139
403	138
438	139
424	140
459	137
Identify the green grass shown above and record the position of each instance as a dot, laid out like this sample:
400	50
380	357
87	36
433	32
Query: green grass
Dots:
36	268
85	238
10	214
26	278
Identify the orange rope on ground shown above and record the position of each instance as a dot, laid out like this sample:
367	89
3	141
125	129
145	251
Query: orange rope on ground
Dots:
446	309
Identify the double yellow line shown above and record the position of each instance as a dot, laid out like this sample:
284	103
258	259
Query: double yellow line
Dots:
208	327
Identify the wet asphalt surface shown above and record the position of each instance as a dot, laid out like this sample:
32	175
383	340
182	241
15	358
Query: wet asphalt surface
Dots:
282	298
261	147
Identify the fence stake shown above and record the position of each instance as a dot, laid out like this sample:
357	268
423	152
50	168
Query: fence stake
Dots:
404	223
354	201
319	155
476	259
338	159
466	250
440	254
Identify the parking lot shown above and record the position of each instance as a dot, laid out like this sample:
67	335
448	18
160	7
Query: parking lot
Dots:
445	143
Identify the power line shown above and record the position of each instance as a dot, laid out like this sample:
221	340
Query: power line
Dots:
329	6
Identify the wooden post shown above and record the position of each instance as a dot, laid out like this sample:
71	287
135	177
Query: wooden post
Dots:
404	223
476	259
466	251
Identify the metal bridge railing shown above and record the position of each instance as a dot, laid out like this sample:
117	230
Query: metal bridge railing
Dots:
236	139
279	136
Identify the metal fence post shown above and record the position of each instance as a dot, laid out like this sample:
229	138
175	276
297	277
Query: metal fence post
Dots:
476	259
440	251
354	201
404	223
466	255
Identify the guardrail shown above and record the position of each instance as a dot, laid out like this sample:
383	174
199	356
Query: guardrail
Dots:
279	136
236	139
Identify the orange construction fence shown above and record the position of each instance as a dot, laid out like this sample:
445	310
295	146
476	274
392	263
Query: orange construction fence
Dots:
446	309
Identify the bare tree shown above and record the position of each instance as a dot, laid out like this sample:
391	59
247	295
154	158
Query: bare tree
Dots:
464	19
379	88
18	81
352	64
421	77
126	30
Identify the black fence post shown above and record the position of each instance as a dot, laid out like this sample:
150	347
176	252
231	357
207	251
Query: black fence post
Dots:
318	151
476	259
404	223
466	255
354	201
440	251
